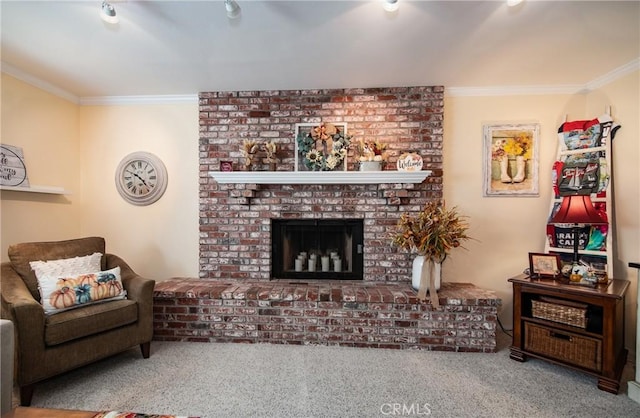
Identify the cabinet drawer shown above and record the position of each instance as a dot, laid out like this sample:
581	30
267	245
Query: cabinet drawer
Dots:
564	346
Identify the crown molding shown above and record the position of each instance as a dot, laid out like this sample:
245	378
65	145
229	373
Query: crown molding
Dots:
94	101
37	82
138	100
513	90
544	90
614	75
449	91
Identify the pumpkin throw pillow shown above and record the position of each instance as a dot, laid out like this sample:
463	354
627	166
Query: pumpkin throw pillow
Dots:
61	293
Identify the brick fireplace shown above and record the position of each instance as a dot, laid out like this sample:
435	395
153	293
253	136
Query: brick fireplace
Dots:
237	299
235	219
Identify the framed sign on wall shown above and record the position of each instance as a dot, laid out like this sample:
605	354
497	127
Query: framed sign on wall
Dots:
13	170
511	159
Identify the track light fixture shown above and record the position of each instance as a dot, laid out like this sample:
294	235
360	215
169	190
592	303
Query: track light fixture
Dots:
108	13
233	9
390	5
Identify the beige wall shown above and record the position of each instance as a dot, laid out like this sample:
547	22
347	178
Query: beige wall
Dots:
623	95
506	229
79	148
161	240
46	128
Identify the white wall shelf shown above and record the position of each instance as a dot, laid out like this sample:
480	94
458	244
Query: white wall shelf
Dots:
37	189
319	177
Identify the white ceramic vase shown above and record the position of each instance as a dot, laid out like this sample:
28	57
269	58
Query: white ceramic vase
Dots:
421	267
426	277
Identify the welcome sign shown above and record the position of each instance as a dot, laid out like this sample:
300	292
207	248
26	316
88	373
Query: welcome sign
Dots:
13	171
410	161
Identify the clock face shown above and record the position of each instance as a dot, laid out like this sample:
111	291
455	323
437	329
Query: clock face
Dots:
141	178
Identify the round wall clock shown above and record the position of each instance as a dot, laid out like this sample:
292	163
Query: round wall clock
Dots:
141	178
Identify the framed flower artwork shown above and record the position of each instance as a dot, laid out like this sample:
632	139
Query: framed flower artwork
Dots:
321	146
511	159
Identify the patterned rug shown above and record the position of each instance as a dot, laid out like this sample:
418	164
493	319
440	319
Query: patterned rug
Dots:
118	414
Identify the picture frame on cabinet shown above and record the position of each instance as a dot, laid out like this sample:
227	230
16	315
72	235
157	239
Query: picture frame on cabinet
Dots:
542	265
510	163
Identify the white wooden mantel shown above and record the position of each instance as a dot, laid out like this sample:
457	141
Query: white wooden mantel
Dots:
319	177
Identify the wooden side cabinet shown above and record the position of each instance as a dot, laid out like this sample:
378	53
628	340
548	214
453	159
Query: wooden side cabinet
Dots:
574	326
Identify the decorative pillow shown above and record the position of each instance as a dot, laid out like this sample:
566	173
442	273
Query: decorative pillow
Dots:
61	293
22	253
67	266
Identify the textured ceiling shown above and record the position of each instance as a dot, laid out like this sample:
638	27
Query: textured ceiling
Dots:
183	47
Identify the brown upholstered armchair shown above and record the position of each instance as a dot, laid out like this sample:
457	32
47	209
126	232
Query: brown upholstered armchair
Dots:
47	345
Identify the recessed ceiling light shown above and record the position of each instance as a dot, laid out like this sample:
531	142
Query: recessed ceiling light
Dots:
108	13
512	3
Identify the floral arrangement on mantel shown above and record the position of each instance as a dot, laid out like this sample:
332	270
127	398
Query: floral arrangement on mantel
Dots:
248	149
371	151
324	148
371	155
270	149
432	233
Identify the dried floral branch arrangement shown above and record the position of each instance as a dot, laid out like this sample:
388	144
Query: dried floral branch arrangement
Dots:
433	232
248	149
270	149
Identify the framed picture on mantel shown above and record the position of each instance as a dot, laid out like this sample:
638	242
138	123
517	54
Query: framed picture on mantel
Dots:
321	146
511	159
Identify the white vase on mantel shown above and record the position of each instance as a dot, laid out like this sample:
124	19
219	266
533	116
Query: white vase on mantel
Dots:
426	277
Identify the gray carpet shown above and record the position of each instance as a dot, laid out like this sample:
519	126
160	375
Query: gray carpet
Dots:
244	380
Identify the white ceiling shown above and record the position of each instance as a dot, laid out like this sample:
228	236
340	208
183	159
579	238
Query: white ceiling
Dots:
184	47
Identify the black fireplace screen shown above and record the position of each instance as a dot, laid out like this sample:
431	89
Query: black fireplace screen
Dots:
317	249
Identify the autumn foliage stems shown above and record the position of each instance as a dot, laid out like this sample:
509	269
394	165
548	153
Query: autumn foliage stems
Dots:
432	232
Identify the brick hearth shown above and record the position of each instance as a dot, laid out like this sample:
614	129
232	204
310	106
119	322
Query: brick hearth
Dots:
357	314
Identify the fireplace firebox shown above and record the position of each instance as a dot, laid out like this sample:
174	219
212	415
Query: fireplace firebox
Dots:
317	249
